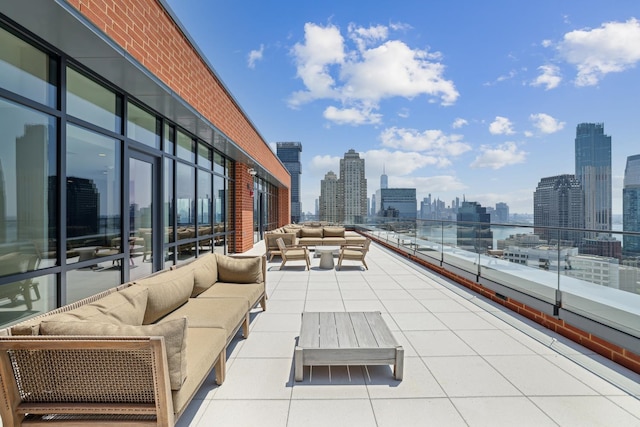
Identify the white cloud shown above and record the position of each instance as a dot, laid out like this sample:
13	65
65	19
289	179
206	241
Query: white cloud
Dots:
404	113
499	156
324	164
545	123
528	133
613	47
374	70
399	163
547	43
433	141
501	126
459	122
352	116
254	56
549	77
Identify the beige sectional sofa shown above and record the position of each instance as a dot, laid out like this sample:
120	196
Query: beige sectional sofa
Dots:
311	236
133	355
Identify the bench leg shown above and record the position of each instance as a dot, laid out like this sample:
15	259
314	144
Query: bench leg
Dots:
245	326
398	367
299	369
221	367
263	302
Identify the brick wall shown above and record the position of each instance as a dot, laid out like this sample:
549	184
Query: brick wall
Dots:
145	30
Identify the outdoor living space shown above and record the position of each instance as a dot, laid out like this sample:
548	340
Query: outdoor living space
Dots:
467	361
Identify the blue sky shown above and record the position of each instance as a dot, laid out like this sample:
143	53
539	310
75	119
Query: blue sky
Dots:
456	97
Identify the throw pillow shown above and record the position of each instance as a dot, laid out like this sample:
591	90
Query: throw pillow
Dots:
239	270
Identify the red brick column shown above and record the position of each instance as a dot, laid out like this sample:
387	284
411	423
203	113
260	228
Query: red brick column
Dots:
243	223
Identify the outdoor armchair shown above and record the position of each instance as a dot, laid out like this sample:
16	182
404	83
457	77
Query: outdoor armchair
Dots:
354	253
293	253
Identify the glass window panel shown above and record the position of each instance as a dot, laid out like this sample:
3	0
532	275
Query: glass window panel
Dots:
220	203
143	126
28	201
92	102
26	70
169	138
185	205
204	156
168	219
84	282
185	147
93	192
29	297
218	164
204	203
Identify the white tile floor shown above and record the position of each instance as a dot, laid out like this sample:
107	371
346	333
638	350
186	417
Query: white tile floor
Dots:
468	362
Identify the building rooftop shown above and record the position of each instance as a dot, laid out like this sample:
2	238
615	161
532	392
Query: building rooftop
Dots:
468	361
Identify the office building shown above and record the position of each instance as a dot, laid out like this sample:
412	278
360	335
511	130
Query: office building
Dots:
384	179
474	228
593	171
558	203
502	213
329	205
352	188
631	205
289	155
116	127
397	203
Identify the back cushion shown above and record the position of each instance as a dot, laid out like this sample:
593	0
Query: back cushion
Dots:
167	291
205	273
311	232
294	230
173	331
333	232
239	270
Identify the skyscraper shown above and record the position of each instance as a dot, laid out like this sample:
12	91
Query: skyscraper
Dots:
289	155
593	170
384	179
559	202
353	188
474	227
502	212
398	202
631	205
328	202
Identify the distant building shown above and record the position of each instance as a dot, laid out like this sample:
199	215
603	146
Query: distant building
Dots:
384	179
631	205
603	245
602	271
521	240
401	201
329	205
289	155
352	188
546	257
502	213
593	171
474	228
559	202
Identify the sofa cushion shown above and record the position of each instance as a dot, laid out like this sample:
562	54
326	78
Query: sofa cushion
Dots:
224	313
250	292
174	333
311	232
239	270
167	291
205	273
333	232
293	230
123	307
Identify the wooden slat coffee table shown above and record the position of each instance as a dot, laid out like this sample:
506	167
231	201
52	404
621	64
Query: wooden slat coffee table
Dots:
346	338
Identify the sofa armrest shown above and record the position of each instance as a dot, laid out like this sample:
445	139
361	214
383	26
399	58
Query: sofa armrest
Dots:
72	375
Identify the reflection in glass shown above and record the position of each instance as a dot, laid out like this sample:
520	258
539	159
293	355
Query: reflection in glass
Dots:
140	217
92	102
169	138
26	70
185	148
142	126
93	193
85	282
219	164
167	212
26	298
204	209
220	203
185	207
204	156
28	214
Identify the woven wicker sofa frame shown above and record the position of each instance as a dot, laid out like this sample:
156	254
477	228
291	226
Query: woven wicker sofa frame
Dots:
108	389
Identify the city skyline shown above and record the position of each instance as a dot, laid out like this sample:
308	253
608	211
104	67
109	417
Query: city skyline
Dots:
449	98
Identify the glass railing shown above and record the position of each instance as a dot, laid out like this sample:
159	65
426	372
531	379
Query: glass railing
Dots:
588	272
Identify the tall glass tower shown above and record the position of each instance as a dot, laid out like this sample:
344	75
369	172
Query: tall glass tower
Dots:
593	170
631	205
353	188
289	155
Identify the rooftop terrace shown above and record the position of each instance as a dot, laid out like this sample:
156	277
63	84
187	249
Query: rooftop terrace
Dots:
468	361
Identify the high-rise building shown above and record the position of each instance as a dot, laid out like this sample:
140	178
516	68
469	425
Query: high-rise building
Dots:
353	188
631	205
474	227
558	202
384	179
593	170
289	155
502	213
397	203
329	206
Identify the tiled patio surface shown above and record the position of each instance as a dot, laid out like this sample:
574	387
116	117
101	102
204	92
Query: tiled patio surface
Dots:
468	362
